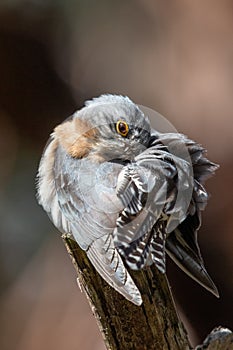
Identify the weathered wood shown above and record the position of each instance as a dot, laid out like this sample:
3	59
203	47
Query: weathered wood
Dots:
153	325
219	339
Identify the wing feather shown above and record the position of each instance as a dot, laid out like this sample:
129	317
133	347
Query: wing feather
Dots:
91	228
107	261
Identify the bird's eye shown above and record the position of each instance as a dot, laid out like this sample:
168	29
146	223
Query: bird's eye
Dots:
122	128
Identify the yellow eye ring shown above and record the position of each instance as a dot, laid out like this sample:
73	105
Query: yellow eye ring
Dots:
122	128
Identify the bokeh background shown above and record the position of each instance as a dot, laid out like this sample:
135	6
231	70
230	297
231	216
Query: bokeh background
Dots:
175	57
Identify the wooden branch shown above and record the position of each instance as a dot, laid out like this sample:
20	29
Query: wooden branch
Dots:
124	326
219	339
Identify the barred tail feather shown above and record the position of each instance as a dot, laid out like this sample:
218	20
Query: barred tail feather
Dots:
157	248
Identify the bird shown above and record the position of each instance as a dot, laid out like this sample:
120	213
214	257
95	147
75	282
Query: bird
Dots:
127	193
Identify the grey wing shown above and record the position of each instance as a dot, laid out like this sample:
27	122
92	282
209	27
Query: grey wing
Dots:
80	201
90	223
107	261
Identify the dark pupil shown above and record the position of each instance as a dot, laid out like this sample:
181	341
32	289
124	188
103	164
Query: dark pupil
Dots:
122	128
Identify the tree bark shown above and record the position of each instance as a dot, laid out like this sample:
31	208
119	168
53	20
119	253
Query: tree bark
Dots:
124	326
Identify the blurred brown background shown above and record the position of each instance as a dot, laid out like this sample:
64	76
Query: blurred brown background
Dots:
175	57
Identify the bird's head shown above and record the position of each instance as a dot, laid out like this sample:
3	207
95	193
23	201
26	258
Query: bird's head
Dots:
109	127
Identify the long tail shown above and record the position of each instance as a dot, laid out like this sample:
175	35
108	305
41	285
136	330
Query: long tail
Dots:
184	251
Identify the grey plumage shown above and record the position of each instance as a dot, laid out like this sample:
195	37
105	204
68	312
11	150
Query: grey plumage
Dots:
126	199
